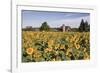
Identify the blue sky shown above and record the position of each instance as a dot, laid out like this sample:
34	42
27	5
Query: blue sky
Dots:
54	19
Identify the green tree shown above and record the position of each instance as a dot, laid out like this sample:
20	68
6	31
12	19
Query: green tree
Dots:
84	26
88	27
44	27
81	27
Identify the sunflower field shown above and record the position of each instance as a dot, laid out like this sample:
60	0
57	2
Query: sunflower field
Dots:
55	46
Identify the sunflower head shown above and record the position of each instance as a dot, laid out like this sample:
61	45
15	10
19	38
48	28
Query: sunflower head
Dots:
77	46
86	56
50	42
29	51
37	54
48	50
62	46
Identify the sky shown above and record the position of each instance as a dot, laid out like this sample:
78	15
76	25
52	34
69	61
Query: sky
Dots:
54	19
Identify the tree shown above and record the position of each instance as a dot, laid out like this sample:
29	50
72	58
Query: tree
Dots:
81	27
88	27
44	27
84	26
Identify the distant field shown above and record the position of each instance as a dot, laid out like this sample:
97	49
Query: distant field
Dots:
55	46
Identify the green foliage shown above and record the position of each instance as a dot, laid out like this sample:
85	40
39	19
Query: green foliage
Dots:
45	27
84	26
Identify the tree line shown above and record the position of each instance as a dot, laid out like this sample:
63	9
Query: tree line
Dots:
83	27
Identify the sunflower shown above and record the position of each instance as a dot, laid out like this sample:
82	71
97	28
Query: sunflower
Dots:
77	46
48	50
62	46
68	51
29	51
37	54
86	56
50	42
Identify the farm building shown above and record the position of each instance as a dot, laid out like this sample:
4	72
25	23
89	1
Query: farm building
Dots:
65	28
